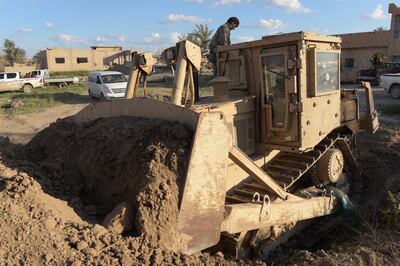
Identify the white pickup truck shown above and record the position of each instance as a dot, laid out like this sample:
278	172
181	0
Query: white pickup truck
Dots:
59	82
391	84
11	81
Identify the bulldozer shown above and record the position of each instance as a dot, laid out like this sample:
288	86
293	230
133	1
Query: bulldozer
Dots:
271	149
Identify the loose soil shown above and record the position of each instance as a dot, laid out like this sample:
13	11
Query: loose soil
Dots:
123	173
21	128
106	193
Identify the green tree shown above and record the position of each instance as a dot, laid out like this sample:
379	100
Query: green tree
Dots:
380	29
13	54
377	60
203	34
2	62
191	37
36	58
200	36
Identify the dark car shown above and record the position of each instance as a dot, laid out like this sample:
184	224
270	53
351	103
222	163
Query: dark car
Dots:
162	73
372	75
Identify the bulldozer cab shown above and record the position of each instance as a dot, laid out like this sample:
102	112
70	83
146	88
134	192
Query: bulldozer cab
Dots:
295	79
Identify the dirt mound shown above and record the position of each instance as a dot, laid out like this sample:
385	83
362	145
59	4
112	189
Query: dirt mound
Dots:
136	161
124	173
38	229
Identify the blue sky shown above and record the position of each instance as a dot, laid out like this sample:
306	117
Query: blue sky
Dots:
153	24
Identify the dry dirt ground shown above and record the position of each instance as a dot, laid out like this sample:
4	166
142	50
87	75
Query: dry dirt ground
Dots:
21	128
53	212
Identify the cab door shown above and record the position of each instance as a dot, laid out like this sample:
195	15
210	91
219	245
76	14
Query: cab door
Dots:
279	96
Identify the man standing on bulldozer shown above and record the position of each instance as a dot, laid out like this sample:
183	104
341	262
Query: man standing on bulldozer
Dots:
221	38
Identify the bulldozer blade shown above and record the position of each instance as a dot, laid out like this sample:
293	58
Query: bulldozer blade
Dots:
201	209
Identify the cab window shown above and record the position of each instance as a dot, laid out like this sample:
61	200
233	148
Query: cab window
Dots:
234	70
327	72
11	75
274	72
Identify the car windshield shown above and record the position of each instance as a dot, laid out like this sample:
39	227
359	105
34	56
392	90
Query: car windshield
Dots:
113	78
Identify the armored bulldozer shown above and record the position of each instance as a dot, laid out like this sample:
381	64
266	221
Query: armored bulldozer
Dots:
272	147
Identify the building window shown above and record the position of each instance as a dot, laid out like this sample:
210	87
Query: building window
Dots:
397	27
82	60
60	60
349	62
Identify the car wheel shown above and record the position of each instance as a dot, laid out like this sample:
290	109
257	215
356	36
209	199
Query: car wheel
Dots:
91	94
27	88
102	98
395	91
62	85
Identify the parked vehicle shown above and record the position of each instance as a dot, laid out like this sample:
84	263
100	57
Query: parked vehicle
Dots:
107	84
59	82
391	84
162	73
11	81
372	75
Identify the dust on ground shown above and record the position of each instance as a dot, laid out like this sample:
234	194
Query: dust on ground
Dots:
21	128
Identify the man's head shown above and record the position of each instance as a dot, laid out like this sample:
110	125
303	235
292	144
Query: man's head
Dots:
233	22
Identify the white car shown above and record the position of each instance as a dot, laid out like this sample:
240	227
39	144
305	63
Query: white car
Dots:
391	84
107	84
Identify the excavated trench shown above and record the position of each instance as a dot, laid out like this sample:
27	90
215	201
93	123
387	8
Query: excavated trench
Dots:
125	168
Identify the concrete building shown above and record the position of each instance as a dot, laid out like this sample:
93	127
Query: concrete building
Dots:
60	60
358	48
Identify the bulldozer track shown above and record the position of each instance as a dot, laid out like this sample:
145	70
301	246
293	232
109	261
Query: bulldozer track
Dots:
286	169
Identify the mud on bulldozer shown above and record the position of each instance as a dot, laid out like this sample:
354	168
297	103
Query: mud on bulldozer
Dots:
272	148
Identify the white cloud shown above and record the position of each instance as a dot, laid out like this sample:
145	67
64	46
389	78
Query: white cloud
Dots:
183	18
49	24
118	37
272	24
121	38
153	37
66	38
226	2
174	37
377	13
100	39
24	30
240	39
196	1
292	6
